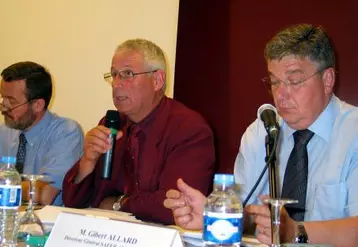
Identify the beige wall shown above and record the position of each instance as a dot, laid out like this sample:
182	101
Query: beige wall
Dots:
75	40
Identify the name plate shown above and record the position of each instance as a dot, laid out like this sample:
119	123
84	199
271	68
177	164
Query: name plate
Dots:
80	230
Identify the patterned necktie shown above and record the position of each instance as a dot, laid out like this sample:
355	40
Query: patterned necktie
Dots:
295	180
21	153
131	182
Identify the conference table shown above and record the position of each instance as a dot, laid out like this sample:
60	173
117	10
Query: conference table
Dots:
48	216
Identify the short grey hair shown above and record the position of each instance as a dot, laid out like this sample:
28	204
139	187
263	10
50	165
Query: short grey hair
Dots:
152	54
305	41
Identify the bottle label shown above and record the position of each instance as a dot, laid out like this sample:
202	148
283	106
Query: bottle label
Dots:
223	228
10	196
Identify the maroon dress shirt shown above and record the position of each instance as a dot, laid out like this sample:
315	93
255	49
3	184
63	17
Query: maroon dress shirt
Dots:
172	142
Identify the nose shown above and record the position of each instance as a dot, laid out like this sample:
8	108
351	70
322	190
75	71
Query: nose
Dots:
3	108
117	82
282	91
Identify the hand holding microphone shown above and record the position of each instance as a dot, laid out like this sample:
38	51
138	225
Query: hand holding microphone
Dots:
112	122
99	141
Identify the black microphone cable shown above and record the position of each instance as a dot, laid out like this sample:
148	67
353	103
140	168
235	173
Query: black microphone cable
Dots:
263	171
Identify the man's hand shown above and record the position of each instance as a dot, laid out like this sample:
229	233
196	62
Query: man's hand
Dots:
187	205
107	203
262	218
96	143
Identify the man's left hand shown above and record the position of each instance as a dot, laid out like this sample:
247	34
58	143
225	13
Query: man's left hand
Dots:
262	218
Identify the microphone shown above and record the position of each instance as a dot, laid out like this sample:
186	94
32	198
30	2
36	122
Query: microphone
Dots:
113	122
267	113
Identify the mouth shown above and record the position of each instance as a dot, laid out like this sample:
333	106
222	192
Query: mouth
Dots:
121	98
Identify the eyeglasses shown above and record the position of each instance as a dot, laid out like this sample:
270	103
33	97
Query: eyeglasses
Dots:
123	75
4	108
295	81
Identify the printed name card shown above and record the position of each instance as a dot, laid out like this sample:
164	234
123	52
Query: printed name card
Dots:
80	230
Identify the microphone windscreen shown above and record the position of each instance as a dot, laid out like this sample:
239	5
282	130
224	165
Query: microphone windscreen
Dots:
112	119
265	107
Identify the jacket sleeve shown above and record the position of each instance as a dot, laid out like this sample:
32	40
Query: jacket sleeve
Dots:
77	195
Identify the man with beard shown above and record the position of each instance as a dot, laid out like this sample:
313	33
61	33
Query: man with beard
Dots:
42	142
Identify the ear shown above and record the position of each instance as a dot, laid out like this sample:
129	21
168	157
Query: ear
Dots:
38	105
328	78
158	80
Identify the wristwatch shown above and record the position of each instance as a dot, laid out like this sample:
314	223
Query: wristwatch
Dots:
301	236
117	203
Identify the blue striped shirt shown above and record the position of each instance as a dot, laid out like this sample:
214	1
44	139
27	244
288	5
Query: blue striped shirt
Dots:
54	144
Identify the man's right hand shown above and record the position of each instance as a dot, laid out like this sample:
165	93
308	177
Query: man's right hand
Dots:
96	143
187	205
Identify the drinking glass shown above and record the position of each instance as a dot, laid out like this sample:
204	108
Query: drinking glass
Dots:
276	208
29	224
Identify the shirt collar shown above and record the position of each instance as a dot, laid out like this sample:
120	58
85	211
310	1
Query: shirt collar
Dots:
144	124
323	125
34	132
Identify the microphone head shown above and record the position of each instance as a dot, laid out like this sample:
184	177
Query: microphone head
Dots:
265	107
268	115
112	119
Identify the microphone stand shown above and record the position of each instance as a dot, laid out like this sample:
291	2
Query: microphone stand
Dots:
274	192
275	201
269	141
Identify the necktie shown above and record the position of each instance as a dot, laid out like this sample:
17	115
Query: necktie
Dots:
295	179
21	153
131	182
133	144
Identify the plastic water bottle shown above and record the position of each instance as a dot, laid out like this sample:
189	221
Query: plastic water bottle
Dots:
10	200
223	214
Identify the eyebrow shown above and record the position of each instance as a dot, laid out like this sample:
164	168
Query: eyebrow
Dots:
8	97
287	73
290	72
124	67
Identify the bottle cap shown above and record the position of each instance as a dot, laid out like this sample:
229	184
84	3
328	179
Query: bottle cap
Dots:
8	159
224	179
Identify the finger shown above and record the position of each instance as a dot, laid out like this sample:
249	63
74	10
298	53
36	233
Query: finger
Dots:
263	198
187	190
263	221
182	211
96	141
174	194
100	132
97	138
173	203
183	221
263	238
258	210
97	147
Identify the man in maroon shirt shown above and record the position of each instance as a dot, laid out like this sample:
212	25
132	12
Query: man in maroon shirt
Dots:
160	141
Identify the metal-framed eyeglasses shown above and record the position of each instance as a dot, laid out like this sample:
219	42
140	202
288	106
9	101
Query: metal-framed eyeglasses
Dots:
294	81
4	108
123	75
